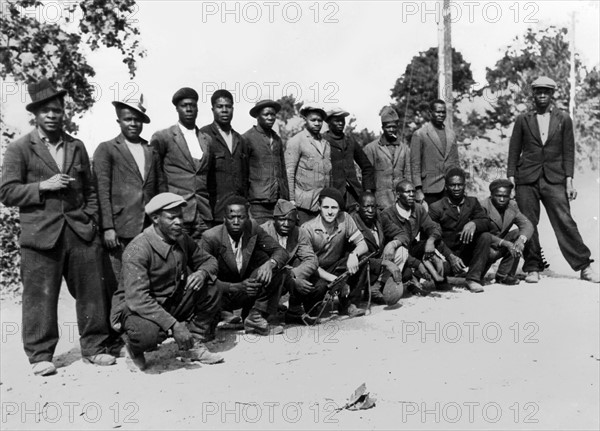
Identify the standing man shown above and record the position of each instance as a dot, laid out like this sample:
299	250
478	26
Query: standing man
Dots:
541	160
228	165
344	152
47	174
433	152
308	164
266	165
390	157
183	155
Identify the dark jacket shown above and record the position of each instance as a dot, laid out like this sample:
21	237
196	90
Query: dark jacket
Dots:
227	171
500	226
375	260
122	193
396	227
267	180
26	163
183	174
529	157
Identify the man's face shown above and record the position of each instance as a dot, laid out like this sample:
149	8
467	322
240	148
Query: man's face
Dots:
406	196
187	110
455	187
49	116
542	97
285	224
314	122
223	110
329	209
501	198
438	114
169	223
266	118
368	209
235	220
390	130
130	123
336	125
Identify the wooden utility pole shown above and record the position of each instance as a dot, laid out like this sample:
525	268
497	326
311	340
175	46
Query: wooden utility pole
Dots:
445	60
572	77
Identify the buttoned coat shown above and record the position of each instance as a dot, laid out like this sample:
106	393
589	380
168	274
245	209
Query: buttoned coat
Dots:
183	174
27	162
529	157
500	226
429	161
122	192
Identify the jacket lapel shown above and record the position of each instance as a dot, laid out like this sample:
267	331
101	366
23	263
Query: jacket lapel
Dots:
292	243
39	148
532	123
147	159
494	215
69	153
554	123
433	136
219	138
227	251
182	144
248	243
128	157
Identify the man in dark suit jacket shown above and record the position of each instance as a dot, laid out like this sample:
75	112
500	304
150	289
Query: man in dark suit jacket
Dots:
541	159
465	229
433	151
228	156
183	156
47	174
249	263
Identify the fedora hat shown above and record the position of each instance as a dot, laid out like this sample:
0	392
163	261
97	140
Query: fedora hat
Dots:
137	107
41	92
264	104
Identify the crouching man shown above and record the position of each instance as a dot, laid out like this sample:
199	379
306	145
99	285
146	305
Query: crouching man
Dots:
165	288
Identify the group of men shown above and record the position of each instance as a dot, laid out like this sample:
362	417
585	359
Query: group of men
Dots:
203	227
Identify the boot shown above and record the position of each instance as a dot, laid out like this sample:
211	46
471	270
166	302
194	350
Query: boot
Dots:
255	323
201	354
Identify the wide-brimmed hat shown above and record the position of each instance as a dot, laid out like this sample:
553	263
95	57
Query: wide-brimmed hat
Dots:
136	106
41	92
264	104
306	109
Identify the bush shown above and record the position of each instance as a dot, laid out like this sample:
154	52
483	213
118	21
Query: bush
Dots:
10	258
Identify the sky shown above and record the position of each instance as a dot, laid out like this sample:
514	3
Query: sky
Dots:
335	54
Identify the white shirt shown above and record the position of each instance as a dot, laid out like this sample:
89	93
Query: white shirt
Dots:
191	139
228	137
404	213
137	152
237	252
282	240
544	124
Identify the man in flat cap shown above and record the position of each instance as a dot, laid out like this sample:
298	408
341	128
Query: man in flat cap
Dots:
338	244
302	262
249	266
433	152
390	157
344	152
182	151
228	164
47	174
167	288
267	179
506	244
541	164
308	164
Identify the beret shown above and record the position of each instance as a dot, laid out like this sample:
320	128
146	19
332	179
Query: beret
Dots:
139	108
306	109
501	182
336	113
264	104
388	114
283	208
164	201
544	81
335	194
184	93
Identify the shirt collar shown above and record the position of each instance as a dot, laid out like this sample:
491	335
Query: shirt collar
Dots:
458	205
46	140
185	129
403	213
321	227
157	242
384	142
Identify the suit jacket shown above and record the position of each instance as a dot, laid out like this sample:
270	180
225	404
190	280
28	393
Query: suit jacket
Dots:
227	171
529	157
27	162
373	246
257	245
122	192
429	163
301	256
183	174
396	227
500	226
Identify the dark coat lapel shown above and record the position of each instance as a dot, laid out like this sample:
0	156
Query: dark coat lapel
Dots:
292	243
39	148
69	152
227	251
248	244
554	123
182	144
128	157
532	123
433	136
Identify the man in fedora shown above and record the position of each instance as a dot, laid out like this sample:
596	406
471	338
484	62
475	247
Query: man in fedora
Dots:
345	151
167	288
541	164
267	181
47	174
183	156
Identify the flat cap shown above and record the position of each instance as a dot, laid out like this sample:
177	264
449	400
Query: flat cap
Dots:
267	103
335	194
307	109
336	113
135	106
164	201
283	208
500	182
184	93
388	114
544	82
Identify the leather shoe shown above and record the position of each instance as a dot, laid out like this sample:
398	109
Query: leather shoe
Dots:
532	277
201	354
353	311
43	368
102	359
474	287
509	280
255	323
588	274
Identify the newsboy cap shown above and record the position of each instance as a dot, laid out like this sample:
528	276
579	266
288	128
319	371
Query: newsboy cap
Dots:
164	201
336	113
267	103
41	92
544	82
388	114
335	194
283	208
137	107
307	109
500	182
184	93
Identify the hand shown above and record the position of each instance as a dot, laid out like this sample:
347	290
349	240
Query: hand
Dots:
571	192
183	336
393	269
251	286
467	233
519	246
196	280
423	272
265	272
352	263
303	286
511	248
389	251
429	249
57	182
457	264
110	239
419	195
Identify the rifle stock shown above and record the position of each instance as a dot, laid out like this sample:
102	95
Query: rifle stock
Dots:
334	286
